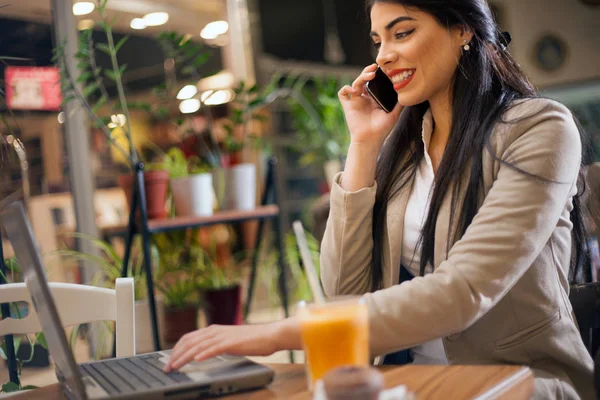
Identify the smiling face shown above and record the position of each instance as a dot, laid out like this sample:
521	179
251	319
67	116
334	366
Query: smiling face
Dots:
418	54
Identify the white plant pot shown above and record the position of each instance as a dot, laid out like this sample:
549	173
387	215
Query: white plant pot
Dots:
193	195
331	167
144	343
240	187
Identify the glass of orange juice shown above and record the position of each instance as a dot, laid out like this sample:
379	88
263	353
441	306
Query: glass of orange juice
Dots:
334	334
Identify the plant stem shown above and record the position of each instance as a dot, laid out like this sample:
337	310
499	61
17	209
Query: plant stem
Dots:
119	82
98	78
89	110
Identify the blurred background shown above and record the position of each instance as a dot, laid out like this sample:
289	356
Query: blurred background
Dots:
208	87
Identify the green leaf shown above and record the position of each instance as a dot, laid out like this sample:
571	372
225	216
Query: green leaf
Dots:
89	90
66	100
17	342
40	339
30	387
110	74
121	43
122	69
10	387
83	77
256	102
83	65
253	89
201	59
188	70
112	23
104	48
103	100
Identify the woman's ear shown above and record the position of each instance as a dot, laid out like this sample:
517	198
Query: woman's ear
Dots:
465	34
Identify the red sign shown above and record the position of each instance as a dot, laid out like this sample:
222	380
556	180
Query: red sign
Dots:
33	88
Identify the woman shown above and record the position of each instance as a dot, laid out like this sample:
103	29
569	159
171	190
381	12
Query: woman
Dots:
472	192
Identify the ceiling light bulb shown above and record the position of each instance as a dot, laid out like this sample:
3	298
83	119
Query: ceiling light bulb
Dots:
187	92
214	29
219	97
137	23
189	106
83	8
206	95
156	18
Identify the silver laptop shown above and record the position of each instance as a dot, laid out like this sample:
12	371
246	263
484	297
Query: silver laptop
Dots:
138	377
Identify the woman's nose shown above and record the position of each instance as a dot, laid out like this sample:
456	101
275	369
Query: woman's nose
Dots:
386	56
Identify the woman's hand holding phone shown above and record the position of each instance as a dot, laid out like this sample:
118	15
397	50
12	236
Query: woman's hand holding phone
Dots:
367	122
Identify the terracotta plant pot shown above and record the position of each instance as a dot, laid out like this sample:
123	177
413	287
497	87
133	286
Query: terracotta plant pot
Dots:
179	321
223	306
156	184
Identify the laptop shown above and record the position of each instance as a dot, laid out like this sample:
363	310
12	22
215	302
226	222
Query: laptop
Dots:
137	377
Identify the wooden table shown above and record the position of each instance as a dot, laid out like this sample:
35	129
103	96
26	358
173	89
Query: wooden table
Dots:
427	381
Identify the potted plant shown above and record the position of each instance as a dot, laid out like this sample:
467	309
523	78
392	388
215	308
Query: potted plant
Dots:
112	118
191	184
110	264
220	285
324	141
240	176
177	281
181	304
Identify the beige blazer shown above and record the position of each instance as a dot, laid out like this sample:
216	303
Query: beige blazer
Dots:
499	295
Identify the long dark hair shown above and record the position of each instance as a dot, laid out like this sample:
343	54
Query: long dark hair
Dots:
487	73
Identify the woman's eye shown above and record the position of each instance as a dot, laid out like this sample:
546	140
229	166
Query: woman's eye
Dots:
401	35
377	45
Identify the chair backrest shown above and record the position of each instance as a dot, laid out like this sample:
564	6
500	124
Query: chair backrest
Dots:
79	304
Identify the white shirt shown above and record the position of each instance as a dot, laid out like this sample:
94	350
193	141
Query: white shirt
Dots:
416	213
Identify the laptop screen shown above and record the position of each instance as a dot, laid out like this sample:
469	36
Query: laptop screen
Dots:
20	234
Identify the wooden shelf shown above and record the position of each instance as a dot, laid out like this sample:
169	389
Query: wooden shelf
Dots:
221	217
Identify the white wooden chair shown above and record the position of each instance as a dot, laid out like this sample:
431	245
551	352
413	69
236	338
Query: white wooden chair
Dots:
78	304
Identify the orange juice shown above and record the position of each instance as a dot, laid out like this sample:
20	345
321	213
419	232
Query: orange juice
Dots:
334	334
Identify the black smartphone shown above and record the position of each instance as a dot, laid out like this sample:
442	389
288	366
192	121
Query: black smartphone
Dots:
382	91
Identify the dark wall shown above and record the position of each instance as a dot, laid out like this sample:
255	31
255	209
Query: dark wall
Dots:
142	54
295	30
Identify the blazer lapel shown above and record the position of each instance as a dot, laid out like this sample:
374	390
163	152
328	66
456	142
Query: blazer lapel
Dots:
443	232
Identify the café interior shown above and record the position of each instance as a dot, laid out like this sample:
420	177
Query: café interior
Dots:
186	151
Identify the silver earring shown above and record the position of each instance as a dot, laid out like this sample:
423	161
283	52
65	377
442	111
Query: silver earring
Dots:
466	46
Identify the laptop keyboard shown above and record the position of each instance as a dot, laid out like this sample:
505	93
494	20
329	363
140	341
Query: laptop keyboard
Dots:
128	375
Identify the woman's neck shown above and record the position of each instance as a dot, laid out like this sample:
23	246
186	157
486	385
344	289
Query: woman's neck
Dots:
441	111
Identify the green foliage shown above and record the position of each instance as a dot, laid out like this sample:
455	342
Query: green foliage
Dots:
93	95
110	263
245	107
39	338
178	166
269	271
322	95
179	258
215	277
179	294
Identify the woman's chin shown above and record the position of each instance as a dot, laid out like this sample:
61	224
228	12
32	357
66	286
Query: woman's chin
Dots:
409	100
